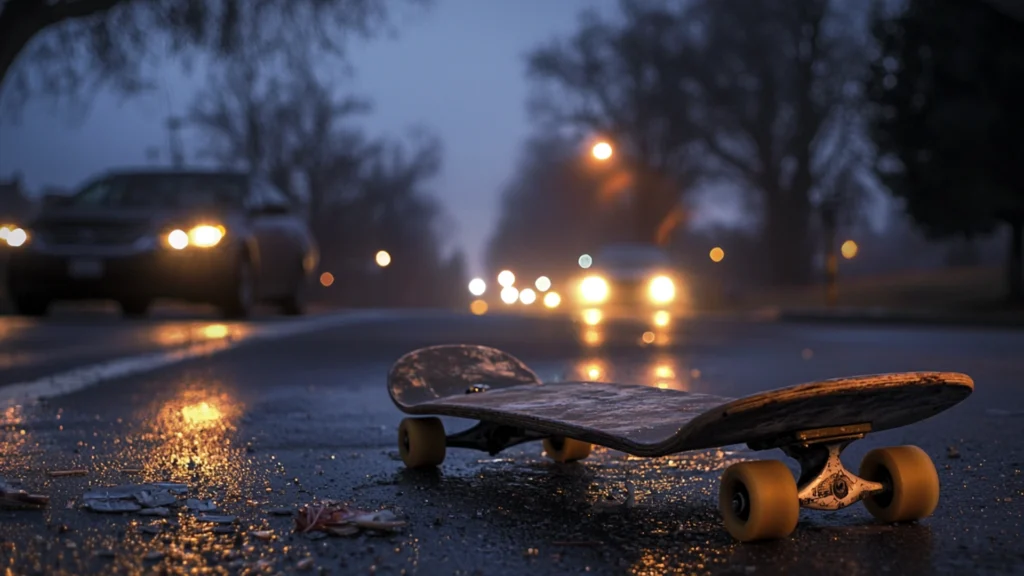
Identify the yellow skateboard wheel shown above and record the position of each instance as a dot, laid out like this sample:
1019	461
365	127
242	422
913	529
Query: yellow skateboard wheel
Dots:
912	484
566	449
421	442
758	500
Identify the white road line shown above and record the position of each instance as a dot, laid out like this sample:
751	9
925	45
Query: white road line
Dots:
86	376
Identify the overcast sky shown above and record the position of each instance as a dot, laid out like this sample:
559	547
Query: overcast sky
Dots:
458	69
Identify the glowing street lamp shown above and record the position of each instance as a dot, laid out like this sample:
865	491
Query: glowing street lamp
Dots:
602	151
849	249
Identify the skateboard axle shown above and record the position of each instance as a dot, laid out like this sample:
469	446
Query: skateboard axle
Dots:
825	484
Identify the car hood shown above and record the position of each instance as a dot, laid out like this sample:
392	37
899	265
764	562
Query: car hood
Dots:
127	218
627	274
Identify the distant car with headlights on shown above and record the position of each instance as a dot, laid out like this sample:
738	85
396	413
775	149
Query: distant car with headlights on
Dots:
219	237
635	281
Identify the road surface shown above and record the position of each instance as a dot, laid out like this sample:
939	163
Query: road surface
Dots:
263	417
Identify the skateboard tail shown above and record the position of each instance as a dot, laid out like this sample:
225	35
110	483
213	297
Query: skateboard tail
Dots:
454	369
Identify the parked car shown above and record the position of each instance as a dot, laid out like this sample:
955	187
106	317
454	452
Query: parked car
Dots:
219	237
635	281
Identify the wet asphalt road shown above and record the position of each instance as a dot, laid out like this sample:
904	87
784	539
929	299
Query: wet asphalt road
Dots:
281	416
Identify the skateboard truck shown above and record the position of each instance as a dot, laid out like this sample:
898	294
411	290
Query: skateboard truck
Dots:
824	483
492	438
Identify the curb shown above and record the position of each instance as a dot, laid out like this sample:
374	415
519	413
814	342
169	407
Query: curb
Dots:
907	317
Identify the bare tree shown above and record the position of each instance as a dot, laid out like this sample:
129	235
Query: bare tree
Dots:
62	47
290	128
762	94
623	82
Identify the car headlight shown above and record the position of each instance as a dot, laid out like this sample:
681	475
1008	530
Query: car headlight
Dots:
202	236
662	290
594	289
13	236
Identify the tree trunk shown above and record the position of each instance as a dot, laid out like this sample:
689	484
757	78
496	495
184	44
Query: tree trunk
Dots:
1015	266
787	237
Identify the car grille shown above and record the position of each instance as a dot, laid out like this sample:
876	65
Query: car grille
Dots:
92	235
628	292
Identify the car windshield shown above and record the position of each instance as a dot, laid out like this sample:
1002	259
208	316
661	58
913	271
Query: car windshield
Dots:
163	191
631	257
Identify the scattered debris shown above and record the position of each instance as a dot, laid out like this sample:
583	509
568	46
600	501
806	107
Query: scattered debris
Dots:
159	511
153	499
264	535
111	506
201	505
612	505
304	564
63	473
11	497
215	519
338	519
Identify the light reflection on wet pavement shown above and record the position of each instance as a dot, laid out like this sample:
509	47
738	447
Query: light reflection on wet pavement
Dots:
288	422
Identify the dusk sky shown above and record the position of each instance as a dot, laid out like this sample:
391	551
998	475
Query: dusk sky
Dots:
458	69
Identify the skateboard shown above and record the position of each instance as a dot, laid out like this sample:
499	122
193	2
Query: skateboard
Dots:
758	500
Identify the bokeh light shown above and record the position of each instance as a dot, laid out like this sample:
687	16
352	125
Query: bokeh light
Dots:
602	150
383	258
326	279
552	300
717	254
477	286
849	249
585	261
478	307
543	283
527	296
506	278
509	294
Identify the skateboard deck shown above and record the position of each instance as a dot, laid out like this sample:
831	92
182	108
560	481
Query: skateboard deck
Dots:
647	421
812	423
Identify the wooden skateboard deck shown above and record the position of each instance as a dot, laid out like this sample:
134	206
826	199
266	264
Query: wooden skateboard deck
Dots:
648	421
812	423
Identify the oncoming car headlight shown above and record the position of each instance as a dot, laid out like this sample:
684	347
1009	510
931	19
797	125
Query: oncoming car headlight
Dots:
662	290
13	236
202	236
594	289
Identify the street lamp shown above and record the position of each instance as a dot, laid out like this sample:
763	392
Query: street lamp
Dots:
849	249
602	151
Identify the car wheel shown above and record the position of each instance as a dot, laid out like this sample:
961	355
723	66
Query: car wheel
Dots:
241	296
295	303
31	305
135	307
